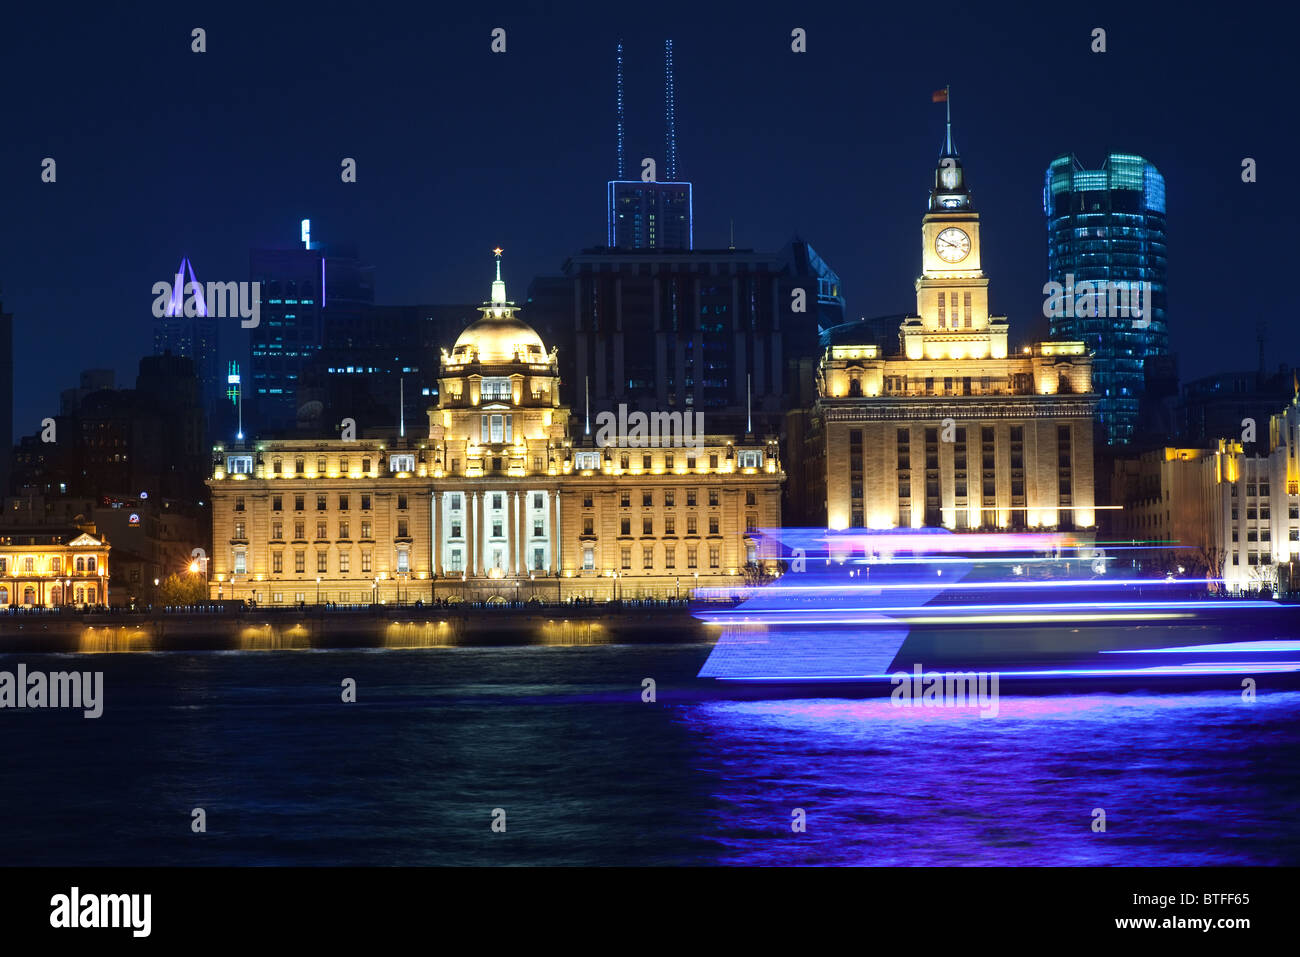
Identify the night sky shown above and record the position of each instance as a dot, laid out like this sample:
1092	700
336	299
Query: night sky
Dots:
162	152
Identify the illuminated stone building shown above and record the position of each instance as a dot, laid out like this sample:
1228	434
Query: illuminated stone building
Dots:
956	430
497	501
47	567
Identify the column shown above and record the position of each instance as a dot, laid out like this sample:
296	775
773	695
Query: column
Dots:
512	531
487	528
522	527
437	537
556	535
554	529
471	532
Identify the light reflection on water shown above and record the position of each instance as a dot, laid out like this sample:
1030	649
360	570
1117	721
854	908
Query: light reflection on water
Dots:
1182	778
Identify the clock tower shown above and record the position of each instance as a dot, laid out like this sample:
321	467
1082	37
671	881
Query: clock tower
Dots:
952	318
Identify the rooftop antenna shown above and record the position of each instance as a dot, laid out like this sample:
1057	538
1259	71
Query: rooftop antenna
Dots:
618	102
586	388
670	113
401	406
732	247
749	404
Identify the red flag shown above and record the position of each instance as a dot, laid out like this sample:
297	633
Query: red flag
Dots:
939	96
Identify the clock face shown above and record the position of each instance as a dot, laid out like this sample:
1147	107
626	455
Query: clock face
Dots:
952	245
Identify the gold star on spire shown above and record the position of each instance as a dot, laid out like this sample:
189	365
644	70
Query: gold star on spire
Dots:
498	252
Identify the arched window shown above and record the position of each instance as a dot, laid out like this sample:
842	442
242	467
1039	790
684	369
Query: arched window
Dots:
92	594
81	564
56	565
29	595
4	595
56	595
90	563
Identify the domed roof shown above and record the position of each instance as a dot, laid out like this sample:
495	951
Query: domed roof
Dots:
499	338
500	335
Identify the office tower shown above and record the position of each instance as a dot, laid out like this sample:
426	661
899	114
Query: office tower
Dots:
301	289
719	331
194	337
655	214
1106	229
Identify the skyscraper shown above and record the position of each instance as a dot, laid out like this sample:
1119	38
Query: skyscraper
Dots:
1107	226
300	287
650	213
194	337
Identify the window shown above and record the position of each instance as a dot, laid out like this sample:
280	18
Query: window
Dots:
714	553
496	501
713	460
751	521
668	460
713	525
647	557
537	528
690	498
713	496
320	466
299	503
321	532
670	524
455	529
299	561
690	525
750	498
645	462
587	526
669	498
299	530
647	526
691	561
365	561
539	559
403	561
456	560
538	500
403	530
625	526
343	466
625	558
624	461
586	460
322	561
365	501
343	503
496	387
365	530
241	563
239	503
625	499
276	467
586	500
401	463
455	501
647	500
277	503
588	559
401	502
670	556
365	466
277	562
343	530
299	466
239	533
240	464
751	460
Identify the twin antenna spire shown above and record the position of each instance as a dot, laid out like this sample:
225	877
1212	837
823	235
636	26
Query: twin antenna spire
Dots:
670	114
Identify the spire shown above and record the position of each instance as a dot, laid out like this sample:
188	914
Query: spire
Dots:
670	114
948	148
618	103
498	284
950	190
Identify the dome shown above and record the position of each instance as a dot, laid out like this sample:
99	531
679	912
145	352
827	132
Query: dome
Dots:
499	338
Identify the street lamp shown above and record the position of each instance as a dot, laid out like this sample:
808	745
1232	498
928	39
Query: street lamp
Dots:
318	589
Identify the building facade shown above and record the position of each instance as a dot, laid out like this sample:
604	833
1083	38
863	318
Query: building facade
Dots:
1108	226
496	501
51	567
956	430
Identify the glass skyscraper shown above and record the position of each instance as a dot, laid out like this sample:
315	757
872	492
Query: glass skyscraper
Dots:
1107	226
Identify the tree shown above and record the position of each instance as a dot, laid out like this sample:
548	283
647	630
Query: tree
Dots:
188	589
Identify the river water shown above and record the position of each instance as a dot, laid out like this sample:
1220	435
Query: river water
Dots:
558	742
